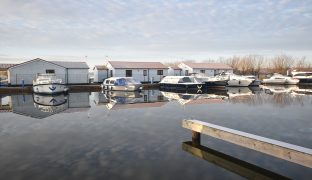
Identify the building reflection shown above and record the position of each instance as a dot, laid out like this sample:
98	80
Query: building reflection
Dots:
114	100
42	106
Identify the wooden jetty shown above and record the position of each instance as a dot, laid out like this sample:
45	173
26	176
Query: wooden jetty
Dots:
237	166
293	153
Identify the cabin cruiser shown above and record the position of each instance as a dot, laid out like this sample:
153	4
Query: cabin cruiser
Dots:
303	77
255	82
280	79
48	84
239	81
218	80
121	84
181	82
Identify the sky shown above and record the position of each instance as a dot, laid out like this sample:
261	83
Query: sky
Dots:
156	30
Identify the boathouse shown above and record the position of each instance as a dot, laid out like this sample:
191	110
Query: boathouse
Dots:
69	72
100	73
209	69
141	71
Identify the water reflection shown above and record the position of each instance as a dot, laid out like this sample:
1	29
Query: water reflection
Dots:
237	166
42	106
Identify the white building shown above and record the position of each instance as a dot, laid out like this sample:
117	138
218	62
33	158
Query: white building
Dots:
100	73
69	72
174	71
141	71
210	69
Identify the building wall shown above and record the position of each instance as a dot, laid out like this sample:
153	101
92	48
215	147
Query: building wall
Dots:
208	72
174	72
78	76
99	75
28	72
138	74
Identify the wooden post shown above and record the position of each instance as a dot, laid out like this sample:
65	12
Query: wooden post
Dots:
195	138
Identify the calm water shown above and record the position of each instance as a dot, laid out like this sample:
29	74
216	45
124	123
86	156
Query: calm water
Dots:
139	135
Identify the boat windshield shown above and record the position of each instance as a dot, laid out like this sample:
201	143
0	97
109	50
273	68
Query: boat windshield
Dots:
121	82
185	80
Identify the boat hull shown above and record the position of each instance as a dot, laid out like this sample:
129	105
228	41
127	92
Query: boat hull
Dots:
133	87
239	83
49	88
305	81
216	83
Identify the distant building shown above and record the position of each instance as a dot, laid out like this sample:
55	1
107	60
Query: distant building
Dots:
174	70
141	71
100	73
69	72
209	69
4	73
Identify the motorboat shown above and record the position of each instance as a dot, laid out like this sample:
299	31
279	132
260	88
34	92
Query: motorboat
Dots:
255	82
218	80
181	82
303	77
281	80
121	84
239	81
48	84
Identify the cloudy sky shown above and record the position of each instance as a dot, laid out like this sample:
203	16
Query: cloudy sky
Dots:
162	30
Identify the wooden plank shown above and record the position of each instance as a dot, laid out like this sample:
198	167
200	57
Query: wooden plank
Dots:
286	151
237	166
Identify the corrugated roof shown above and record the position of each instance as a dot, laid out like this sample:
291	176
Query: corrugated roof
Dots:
137	65
100	67
208	65
71	65
6	66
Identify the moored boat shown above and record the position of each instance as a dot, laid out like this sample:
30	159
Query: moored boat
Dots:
239	81
303	77
255	82
121	84
281	80
48	84
181	82
215	81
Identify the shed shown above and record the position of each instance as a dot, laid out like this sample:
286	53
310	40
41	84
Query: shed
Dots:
141	71
69	72
100	73
209	69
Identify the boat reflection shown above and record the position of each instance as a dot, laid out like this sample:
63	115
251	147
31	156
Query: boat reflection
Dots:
237	166
42	106
114	100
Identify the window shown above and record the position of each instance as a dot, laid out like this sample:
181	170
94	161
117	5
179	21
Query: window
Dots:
112	82
202	71
111	73
128	73
107	82
160	72
144	72
186	72
50	71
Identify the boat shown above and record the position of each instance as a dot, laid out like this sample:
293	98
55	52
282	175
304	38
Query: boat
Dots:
255	82
238	81
303	77
121	84
48	84
181	83
281	80
218	80
50	103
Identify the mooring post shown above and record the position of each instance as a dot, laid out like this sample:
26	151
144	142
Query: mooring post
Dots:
195	138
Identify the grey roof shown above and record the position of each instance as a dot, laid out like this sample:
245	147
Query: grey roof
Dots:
6	66
71	65
137	65
65	64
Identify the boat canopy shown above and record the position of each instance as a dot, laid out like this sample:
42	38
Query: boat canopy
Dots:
125	81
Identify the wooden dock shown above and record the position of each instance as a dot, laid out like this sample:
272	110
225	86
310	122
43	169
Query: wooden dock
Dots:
237	166
293	153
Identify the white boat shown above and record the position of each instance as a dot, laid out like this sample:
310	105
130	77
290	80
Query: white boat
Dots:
48	84
239	81
181	82
218	80
255	80
121	84
303	77
281	80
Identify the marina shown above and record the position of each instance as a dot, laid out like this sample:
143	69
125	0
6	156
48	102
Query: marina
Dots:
40	123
